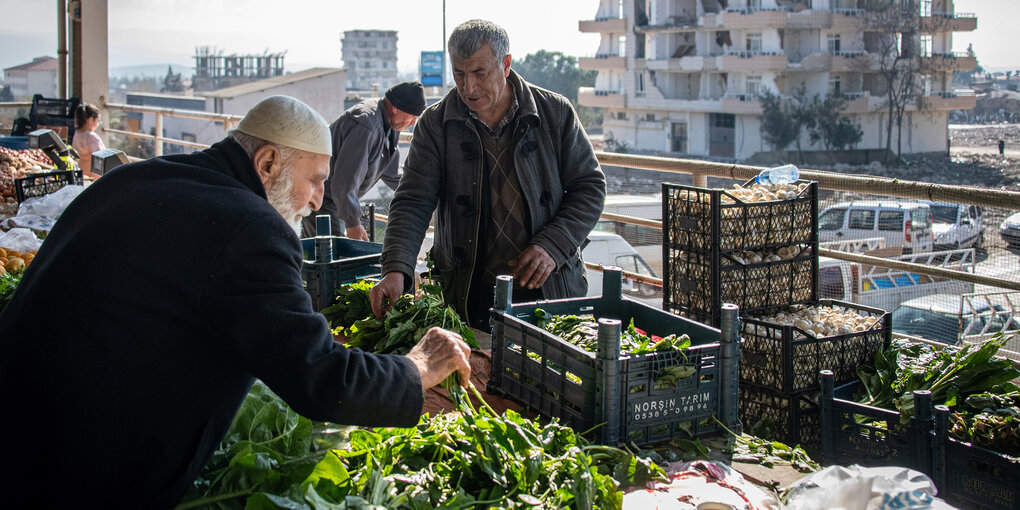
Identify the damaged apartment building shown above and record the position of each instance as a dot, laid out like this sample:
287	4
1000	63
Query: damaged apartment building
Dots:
685	76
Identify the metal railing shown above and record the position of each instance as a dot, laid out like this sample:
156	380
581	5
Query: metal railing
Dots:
701	170
159	113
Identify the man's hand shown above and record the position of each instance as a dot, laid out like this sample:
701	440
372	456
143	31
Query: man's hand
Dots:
533	267
357	232
438	354
386	292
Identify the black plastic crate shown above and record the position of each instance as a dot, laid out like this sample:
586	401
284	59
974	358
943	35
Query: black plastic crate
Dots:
619	395
333	261
970	476
37	185
54	107
792	418
788	359
854	433
704	232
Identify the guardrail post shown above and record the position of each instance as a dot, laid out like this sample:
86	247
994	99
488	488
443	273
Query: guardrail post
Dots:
159	134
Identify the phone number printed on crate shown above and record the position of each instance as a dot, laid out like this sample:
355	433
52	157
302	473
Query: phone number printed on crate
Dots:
674	406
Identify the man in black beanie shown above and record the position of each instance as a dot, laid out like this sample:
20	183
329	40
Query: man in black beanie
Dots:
364	151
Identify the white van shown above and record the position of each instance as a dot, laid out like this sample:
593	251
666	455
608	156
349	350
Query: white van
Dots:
901	223
608	249
957	225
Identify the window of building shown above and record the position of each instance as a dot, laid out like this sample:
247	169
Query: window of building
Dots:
679	137
621	45
640	82
754	41
833	44
925	7
753	85
621	115
835	85
650	117
754	4
926	45
188	137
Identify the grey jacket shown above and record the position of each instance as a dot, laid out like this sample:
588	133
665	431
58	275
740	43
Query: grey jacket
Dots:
364	151
561	180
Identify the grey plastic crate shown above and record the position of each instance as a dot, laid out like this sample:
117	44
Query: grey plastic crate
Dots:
618	395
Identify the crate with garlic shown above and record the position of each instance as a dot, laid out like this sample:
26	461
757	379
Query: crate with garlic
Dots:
785	349
754	245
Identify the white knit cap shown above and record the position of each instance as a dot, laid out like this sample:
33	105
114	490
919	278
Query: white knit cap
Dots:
287	121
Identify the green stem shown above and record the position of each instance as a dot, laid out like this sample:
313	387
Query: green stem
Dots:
195	503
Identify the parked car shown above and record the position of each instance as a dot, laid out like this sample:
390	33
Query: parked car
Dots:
902	223
956	318
1010	231
608	249
957	226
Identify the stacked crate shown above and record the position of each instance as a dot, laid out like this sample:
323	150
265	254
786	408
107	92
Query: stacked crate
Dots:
712	241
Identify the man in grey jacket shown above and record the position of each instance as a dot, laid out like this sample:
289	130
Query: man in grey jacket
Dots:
364	151
515	179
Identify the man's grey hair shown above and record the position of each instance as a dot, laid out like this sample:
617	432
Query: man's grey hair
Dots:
250	144
470	36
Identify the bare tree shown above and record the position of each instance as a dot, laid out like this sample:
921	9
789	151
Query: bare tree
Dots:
893	46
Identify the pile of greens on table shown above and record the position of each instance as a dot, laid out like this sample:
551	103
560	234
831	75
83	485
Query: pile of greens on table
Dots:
974	383
274	458
400	329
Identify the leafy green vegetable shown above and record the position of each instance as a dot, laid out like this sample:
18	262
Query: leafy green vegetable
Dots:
401	328
989	420
583	331
474	458
950	374
751	449
8	282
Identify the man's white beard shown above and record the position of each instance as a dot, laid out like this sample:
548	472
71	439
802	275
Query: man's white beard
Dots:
279	196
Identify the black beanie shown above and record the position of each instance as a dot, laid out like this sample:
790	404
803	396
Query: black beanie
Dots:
408	97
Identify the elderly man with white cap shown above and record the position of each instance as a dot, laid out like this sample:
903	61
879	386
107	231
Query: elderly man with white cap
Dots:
165	289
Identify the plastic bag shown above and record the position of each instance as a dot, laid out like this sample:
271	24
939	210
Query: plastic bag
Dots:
701	484
20	239
51	205
860	488
29	221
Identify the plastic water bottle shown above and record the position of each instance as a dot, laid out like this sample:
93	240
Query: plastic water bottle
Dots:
785	174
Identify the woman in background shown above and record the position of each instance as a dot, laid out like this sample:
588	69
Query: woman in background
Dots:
86	141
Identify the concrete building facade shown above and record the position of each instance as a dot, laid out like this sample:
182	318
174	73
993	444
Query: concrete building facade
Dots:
323	89
36	77
370	57
685	76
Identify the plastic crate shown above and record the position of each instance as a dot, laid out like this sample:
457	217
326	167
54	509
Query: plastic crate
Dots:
14	142
787	359
970	476
703	235
39	184
333	261
794	419
618	395
854	433
55	114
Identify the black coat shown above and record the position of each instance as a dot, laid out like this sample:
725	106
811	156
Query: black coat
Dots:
161	293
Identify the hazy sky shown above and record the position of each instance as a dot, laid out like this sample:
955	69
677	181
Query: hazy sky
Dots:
167	31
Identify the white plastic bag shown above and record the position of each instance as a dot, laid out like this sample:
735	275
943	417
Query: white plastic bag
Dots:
20	239
29	221
861	488
51	205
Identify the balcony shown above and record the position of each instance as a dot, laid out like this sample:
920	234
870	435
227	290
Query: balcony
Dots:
737	18
848	19
588	96
948	100
938	22
740	104
683	64
809	18
952	61
602	62
602	25
839	61
752	61
858	102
